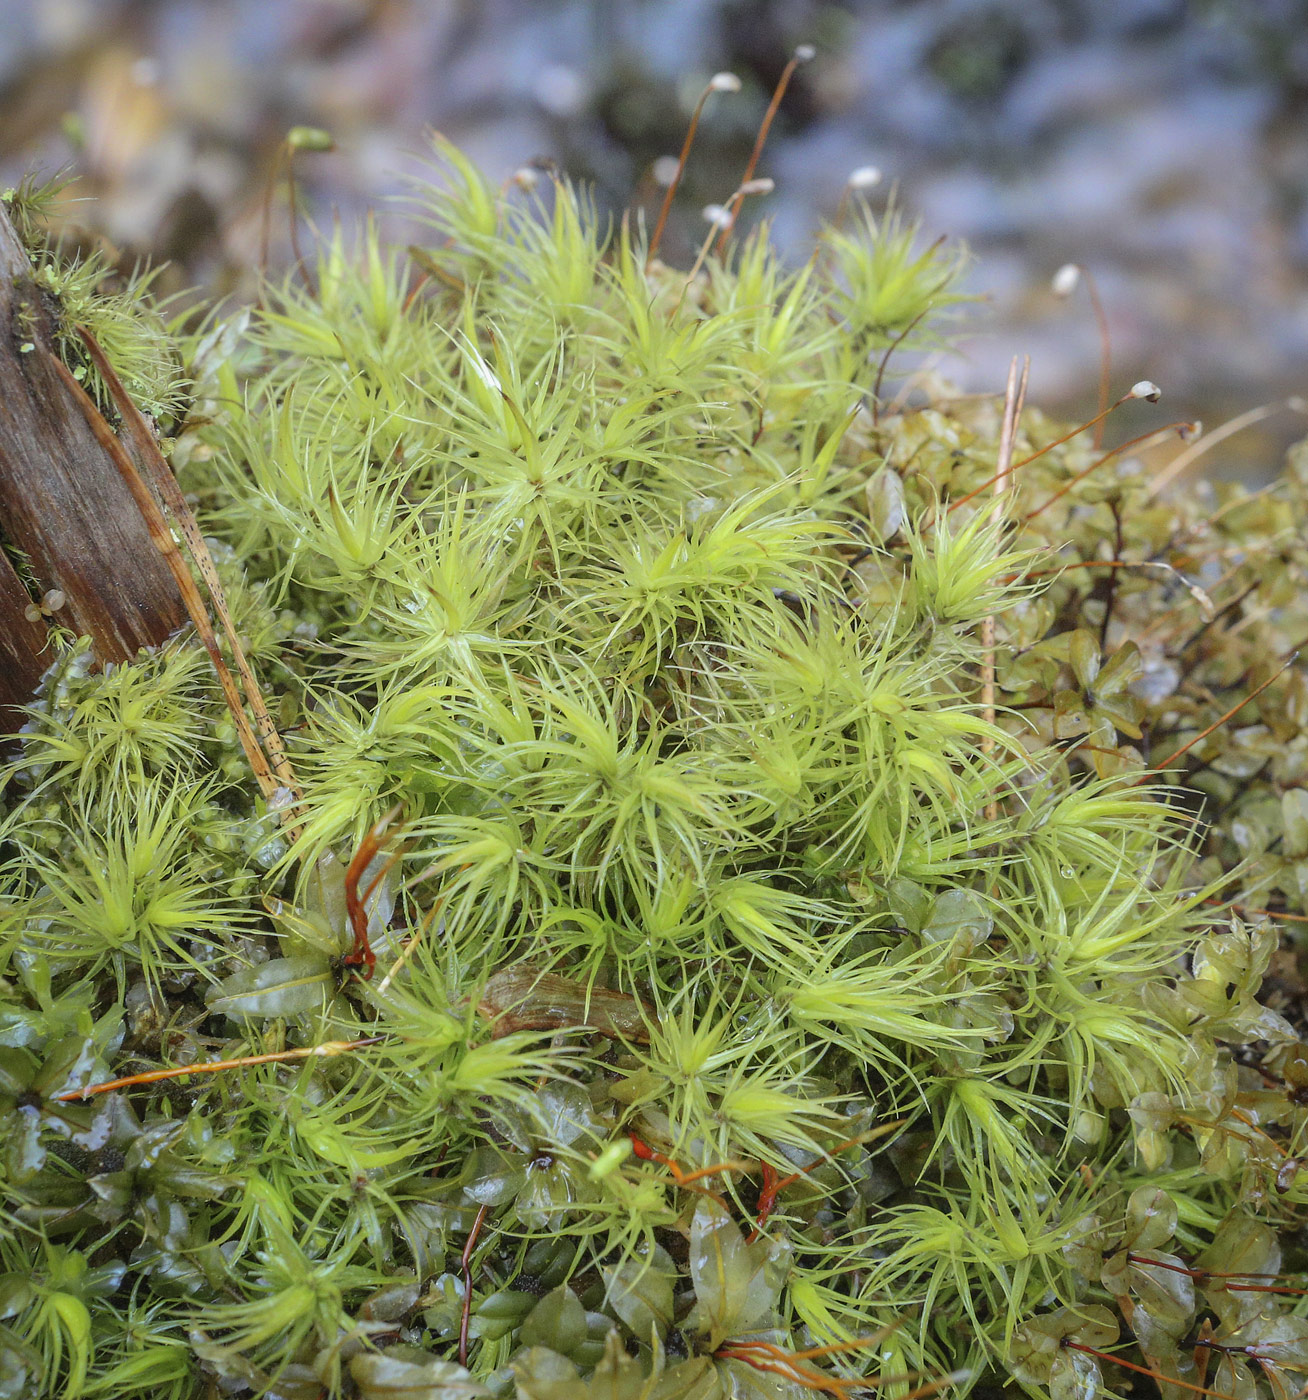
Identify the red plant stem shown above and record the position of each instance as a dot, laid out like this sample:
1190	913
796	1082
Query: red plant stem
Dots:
1144	1370
1099	462
1217	724
671	191
764	1356
1268	913
764	127
683	1178
466	1312
767	1198
773	1186
647	1154
153	1076
354	905
1202	1275
1035	456
885	360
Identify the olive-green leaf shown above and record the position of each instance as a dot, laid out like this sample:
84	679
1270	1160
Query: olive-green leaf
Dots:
388	1377
558	1321
282	987
735	1289
1150	1218
640	1292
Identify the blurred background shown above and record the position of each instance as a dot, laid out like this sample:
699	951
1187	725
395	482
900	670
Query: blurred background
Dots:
1160	143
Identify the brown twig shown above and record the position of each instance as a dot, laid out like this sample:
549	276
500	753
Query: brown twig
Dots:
1217	723
355	904
720	82
894	345
1179	427
1035	456
1144	1370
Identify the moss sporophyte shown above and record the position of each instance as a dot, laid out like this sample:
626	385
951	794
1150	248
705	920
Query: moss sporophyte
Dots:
749	905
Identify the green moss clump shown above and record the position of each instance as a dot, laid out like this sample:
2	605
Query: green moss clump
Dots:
749	984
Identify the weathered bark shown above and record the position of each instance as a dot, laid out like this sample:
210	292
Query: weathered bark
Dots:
64	505
21	640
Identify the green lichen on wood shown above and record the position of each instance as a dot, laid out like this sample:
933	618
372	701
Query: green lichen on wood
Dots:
660	627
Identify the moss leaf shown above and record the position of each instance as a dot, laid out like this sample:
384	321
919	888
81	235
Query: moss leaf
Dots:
281	987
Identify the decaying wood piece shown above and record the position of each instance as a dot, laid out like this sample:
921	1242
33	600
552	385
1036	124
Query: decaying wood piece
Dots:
21	640
64	504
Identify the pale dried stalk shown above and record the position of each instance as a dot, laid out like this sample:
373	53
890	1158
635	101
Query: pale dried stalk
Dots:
162	539
1014	397
165	483
1182	460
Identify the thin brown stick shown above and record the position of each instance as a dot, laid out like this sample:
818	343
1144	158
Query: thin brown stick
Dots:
1269	913
165	483
894	345
1203	1275
162	539
354	904
1014	397
857	1344
695	267
1178	427
1145	1371
153	1076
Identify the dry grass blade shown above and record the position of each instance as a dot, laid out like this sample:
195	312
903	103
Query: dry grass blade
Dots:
163	541
1182	460
165	483
1014	397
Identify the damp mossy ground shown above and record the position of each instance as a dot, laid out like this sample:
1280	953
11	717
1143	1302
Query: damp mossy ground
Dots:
762	999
